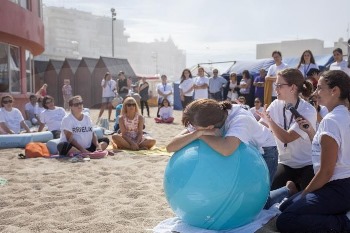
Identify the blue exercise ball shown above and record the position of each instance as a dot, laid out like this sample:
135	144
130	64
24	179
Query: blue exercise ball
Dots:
211	191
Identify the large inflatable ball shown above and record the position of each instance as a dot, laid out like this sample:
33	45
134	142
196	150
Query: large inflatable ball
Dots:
208	190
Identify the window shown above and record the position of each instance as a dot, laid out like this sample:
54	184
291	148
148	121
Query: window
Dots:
29	65
10	80
4	81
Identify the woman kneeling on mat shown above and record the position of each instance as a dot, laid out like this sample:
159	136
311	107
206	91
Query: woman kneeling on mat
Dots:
131	128
77	131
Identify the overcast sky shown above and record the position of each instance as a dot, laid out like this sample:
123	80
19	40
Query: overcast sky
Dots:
223	30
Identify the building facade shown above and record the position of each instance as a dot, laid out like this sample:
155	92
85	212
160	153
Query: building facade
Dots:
21	38
70	33
294	48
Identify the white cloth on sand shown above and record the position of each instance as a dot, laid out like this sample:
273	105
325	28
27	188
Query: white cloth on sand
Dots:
176	225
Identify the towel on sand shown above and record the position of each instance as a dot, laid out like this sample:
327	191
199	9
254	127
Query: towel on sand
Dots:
176	225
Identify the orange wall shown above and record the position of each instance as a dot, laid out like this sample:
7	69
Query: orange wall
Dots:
22	27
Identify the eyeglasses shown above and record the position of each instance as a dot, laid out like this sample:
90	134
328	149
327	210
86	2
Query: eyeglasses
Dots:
131	105
279	85
77	104
48	101
256	101
6	101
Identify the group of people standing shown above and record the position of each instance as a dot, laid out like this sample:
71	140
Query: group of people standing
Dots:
308	157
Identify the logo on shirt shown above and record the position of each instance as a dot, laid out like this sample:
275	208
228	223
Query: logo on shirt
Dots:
82	129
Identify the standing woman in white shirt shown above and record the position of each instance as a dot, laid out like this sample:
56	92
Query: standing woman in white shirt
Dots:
201	85
339	63
306	63
294	146
108	86
11	119
323	205
186	88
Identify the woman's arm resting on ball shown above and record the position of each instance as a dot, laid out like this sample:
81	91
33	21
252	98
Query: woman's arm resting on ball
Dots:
183	139
224	145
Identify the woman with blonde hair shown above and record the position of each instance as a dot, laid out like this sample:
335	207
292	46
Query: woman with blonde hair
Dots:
131	128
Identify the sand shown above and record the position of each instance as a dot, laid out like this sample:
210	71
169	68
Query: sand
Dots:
120	193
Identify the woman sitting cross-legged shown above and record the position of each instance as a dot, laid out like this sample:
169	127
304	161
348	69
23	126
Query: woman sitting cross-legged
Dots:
165	113
77	131
131	128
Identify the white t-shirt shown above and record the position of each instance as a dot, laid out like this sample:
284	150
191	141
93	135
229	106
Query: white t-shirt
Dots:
297	154
186	85
52	118
304	68
253	110
343	65
82	130
241	124
201	93
108	90
166	112
12	119
336	125
38	110
30	109
273	70
165	89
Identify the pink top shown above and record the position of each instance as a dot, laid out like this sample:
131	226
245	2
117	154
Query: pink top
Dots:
131	126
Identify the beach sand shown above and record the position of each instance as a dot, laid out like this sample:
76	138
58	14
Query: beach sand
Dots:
120	193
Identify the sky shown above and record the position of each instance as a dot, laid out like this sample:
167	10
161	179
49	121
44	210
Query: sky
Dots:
223	30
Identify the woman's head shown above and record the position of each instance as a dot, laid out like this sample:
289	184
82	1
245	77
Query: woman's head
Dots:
277	57
165	102
6	101
129	106
338	54
44	86
76	104
291	81
48	102
306	57
233	77
196	113
246	74
186	73
257	102
333	86
107	76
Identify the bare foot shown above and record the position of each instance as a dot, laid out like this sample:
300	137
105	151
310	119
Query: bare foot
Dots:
291	187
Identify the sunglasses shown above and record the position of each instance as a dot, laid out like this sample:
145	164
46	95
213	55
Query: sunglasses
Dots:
77	104
6	101
130	105
256	101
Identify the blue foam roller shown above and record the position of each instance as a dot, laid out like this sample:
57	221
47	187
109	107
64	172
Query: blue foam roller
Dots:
21	140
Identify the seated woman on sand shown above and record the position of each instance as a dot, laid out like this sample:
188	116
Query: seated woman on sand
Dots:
131	128
165	113
51	117
77	131
11	119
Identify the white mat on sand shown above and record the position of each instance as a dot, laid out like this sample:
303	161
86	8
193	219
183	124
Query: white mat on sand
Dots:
175	225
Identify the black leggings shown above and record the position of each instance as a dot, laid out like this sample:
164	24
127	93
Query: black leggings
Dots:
187	100
64	147
300	176
144	103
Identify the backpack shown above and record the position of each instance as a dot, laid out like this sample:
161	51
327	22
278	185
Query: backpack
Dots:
36	149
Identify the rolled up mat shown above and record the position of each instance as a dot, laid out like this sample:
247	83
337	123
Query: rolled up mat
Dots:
21	140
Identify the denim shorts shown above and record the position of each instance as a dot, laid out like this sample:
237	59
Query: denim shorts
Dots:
107	99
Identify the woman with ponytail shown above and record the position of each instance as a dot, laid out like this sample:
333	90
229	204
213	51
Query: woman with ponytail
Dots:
324	204
294	146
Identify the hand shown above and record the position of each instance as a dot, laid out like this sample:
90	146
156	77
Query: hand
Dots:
301	122
212	132
265	115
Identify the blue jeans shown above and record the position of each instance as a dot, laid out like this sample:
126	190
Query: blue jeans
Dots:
276	196
271	158
323	210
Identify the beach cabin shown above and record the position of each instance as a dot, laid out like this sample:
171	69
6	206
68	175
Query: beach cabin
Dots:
51	78
82	80
67	71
